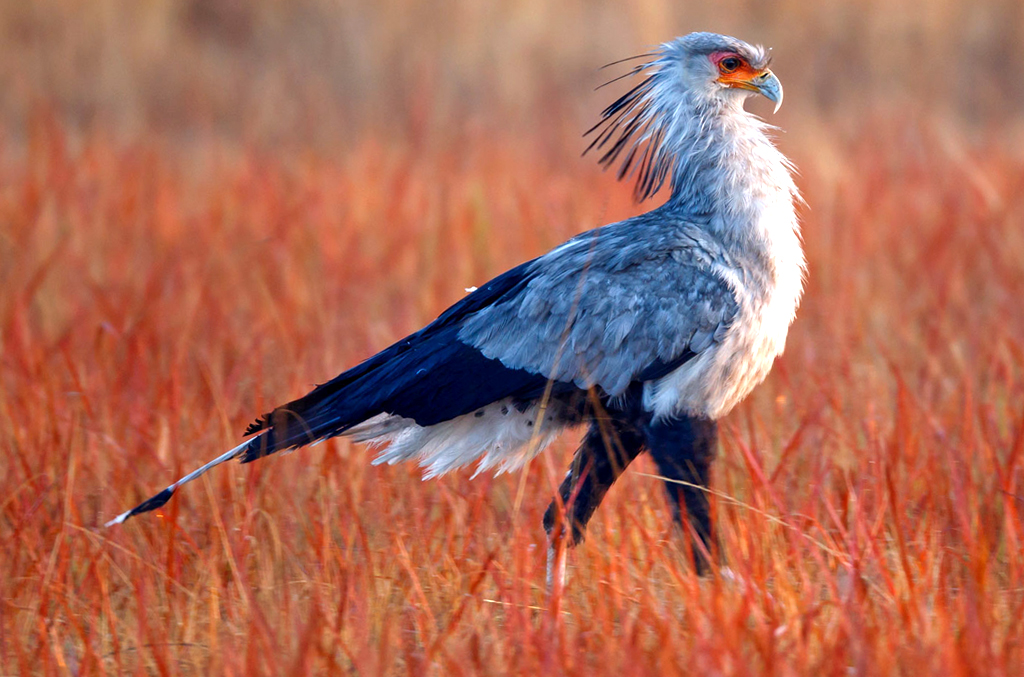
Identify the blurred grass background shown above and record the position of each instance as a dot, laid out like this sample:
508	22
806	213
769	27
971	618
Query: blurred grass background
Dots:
317	73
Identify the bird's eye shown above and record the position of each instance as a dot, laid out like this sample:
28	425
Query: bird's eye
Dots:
729	64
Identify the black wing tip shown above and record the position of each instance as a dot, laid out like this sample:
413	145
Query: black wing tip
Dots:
262	423
149	504
259	447
267	444
250	455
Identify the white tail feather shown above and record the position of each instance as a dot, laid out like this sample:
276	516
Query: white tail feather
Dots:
498	436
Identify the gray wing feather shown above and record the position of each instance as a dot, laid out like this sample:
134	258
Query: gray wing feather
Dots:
606	305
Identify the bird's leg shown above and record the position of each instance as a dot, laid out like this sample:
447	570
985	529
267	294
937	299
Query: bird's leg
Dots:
684	449
606	450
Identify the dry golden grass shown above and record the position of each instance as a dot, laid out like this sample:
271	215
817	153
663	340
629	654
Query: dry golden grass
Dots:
165	279
871	493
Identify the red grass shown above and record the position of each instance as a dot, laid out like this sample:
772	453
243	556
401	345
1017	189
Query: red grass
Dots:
870	495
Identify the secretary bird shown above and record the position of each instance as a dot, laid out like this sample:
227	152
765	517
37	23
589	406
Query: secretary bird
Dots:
648	330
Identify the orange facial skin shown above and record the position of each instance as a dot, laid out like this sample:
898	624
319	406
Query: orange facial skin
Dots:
742	75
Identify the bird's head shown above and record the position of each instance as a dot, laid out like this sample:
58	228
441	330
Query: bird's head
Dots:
715	68
685	83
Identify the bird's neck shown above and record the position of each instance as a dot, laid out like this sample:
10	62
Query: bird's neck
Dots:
731	182
730	178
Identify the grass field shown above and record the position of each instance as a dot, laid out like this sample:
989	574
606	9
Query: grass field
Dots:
160	288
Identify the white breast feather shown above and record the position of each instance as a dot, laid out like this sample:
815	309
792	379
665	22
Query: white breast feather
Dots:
766	278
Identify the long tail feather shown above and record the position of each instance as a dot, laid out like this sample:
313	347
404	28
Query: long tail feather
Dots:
165	495
423	378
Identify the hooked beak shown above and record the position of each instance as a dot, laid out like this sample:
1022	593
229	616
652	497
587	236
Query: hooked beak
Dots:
763	82
769	85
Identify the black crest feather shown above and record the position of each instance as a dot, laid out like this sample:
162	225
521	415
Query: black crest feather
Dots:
629	130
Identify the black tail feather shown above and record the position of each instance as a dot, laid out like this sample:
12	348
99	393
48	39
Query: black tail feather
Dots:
151	503
160	499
